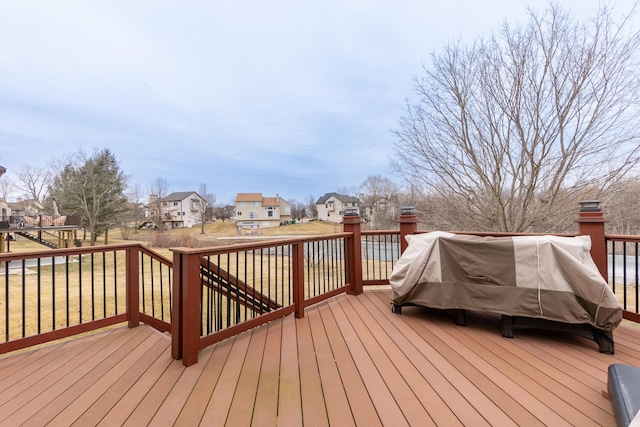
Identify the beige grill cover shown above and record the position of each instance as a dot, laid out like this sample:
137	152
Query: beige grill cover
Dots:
546	277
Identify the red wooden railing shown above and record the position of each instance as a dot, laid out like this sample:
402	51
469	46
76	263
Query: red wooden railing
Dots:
205	295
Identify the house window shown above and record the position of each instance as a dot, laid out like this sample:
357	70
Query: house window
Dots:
256	203
175	203
253	214
242	204
270	213
239	213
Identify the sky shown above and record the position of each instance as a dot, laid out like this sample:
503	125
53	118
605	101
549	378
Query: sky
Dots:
295	98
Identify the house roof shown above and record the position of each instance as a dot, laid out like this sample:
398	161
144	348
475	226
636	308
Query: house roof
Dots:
249	197
24	204
341	197
178	195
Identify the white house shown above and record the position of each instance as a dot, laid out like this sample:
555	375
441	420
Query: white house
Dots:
255	211
178	210
331	206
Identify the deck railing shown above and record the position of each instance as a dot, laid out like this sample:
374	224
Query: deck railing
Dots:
623	260
222	291
53	294
205	295
380	252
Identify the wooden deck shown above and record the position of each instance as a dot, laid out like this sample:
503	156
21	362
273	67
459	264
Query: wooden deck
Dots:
350	361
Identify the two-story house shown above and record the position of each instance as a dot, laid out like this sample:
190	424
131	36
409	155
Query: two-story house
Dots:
22	208
177	210
255	211
331	206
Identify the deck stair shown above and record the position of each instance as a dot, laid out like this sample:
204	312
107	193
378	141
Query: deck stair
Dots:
41	238
230	286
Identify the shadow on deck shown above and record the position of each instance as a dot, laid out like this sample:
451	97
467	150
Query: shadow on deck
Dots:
349	361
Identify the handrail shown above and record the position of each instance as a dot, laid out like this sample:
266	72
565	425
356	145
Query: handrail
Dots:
77	290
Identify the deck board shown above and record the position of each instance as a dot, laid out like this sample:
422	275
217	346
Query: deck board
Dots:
265	411
349	361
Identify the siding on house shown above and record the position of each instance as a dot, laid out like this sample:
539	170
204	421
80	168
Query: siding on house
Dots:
252	209
331	206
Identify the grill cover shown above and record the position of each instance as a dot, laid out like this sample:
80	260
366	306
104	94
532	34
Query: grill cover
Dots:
547	277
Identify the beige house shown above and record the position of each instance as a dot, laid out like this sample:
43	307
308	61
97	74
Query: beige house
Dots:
180	209
23	208
331	206
255	212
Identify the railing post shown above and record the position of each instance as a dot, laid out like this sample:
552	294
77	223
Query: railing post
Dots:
591	222
298	279
351	224
186	316
133	287
408	225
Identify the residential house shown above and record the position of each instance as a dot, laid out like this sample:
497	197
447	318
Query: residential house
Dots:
22	208
331	206
180	209
255	211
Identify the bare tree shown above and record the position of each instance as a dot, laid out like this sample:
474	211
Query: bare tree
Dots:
513	128
135	198
380	195
6	187
206	206
158	190
311	208
298	209
34	183
223	212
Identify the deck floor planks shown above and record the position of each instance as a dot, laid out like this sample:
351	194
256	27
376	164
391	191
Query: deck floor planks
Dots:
265	411
415	382
499	402
103	404
52	384
131	398
179	394
575	408
218	409
381	367
524	418
29	358
197	402
85	389
289	399
23	377
511	375
153	399
335	398
362	408
567	389
244	398
396	342
383	399
561	367
439	353
539	385
313	405
437	370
